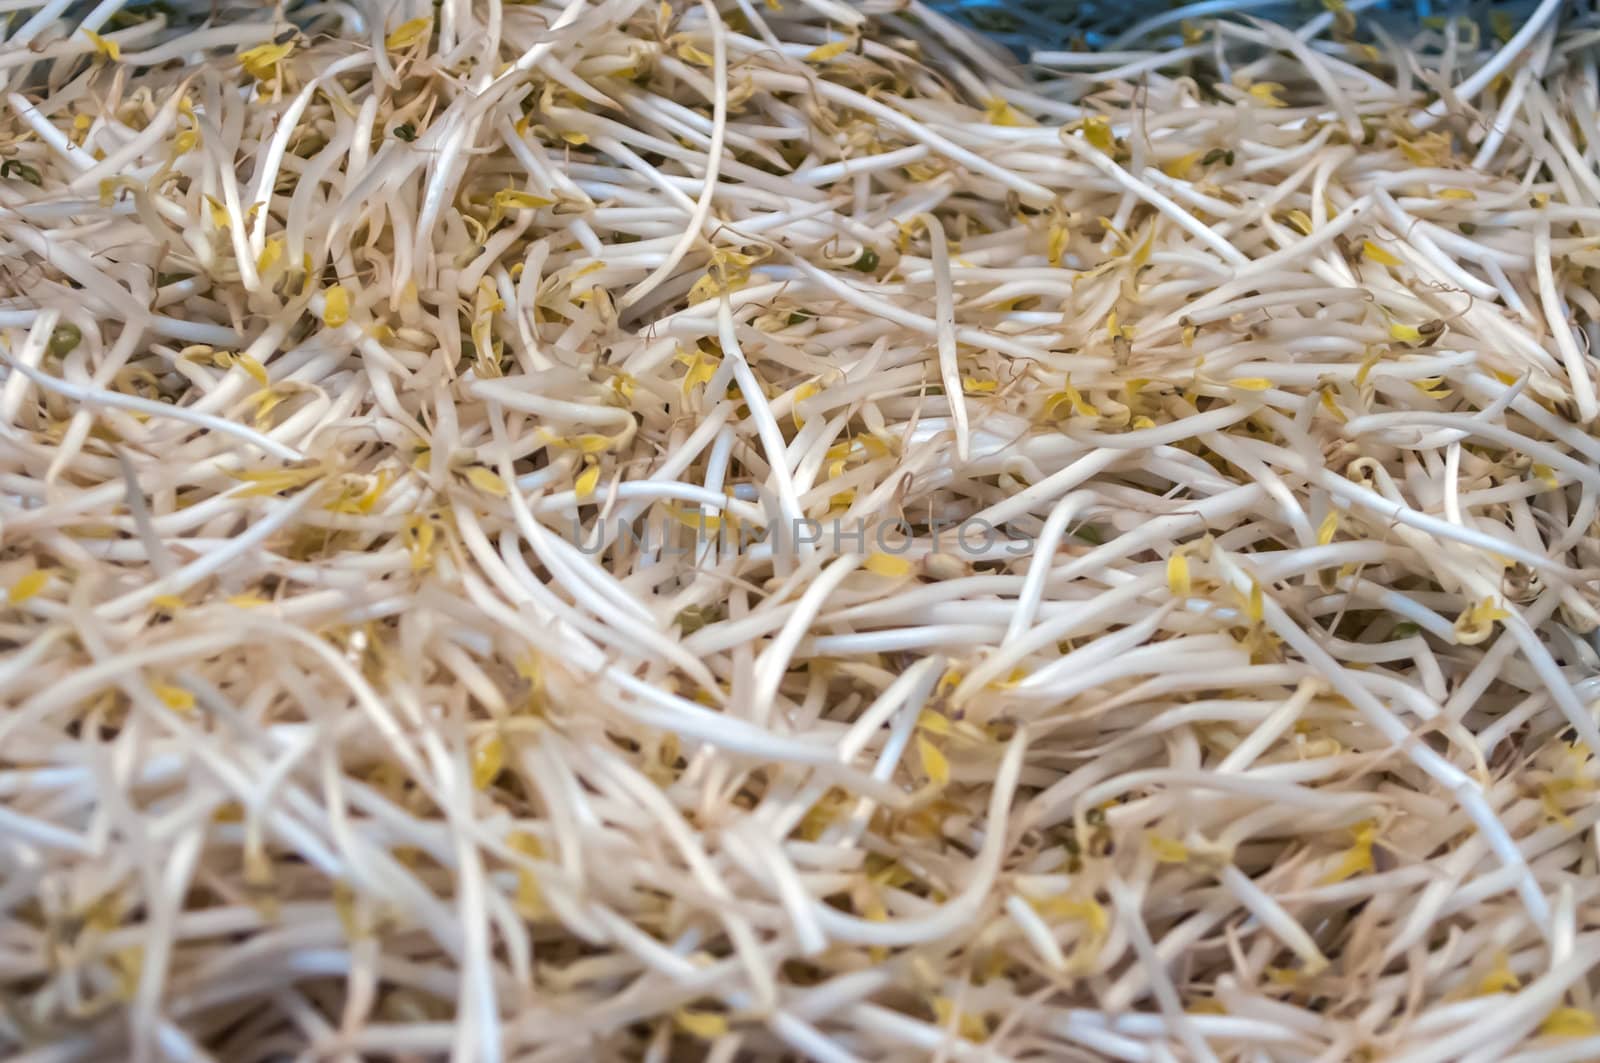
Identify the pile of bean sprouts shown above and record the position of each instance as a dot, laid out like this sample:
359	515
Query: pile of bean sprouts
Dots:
1158	624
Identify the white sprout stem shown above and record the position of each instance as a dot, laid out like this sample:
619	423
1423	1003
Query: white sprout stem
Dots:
719	131
1547	12
1576	361
945	311
99	397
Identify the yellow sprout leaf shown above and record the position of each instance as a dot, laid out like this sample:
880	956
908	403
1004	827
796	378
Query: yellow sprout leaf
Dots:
265	401
974	386
336	306
1429	149
1550	795
1167	850
1327	529
1179	168
509	199
1330	405
690	54
999	112
228	812
693	517
801	394
1141	254
828	52
357	497
704	289
1057	243
1546	475
255	369
1476	623
527	844
1500	979
129	963
1378	254
529	901
175	698
1250	383
1569	1022
1406	333
702	368
261	62
1178	574
1456	193
1367	365
264	482
1123	239
419	535
1097	131
184	142
408	33
1301	221
935	765
706	1025
28	586
380	484
1011	681
1255	604
487	481
1069	396
887	565
1267	93
1117	331
167	603
486	304
270	255
488	760
219	213
969	1026
587	482
1087	911
104	45
1358	858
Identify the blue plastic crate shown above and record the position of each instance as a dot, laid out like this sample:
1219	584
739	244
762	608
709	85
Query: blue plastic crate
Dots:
1027	26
